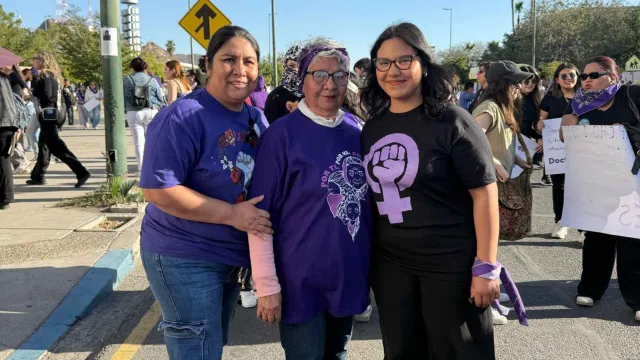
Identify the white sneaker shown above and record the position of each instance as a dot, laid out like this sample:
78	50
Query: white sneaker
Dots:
504	298
637	315
248	299
560	232
498	319
584	301
365	316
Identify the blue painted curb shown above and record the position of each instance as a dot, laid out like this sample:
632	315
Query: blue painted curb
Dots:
104	276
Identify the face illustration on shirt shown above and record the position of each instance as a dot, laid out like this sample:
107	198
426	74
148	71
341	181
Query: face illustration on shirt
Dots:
355	175
353	210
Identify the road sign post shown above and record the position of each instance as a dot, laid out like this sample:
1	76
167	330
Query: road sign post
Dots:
203	20
113	92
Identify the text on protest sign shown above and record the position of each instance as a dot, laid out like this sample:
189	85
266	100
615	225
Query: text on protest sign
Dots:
554	154
531	146
601	193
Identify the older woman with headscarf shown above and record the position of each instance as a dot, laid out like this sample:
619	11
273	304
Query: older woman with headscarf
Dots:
283	99
311	275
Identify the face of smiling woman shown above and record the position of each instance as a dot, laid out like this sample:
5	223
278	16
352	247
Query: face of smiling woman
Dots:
233	73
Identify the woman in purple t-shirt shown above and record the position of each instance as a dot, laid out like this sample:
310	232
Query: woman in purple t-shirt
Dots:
311	277
198	161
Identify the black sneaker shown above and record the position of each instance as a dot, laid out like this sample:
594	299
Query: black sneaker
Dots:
5	206
37	182
82	180
546	180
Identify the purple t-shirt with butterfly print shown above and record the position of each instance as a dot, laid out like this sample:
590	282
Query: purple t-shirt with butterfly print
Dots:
316	191
198	143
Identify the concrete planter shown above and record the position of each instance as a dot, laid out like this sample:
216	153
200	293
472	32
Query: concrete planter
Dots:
93	224
127	208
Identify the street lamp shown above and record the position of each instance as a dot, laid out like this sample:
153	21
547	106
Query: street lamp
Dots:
450	10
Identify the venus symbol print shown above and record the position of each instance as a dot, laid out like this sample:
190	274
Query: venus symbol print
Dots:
392	166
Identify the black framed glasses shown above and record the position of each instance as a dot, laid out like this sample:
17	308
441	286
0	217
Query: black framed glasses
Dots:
592	75
530	81
340	78
568	76
402	63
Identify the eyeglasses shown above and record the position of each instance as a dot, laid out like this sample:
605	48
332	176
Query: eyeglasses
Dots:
530	81
402	63
593	75
340	78
569	75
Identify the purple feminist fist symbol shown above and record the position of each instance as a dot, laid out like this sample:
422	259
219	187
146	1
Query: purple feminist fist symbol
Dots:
391	166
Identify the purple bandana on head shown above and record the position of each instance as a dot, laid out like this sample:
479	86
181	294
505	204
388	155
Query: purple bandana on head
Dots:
307	55
585	101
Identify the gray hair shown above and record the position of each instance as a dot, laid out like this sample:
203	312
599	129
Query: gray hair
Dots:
328	42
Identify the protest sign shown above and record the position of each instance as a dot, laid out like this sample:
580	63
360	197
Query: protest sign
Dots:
554	155
601	193
531	146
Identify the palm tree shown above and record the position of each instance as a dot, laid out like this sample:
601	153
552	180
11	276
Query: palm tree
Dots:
171	47
513	14
468	48
519	6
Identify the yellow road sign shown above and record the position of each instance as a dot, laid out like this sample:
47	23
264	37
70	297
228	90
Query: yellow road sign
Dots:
633	64
203	20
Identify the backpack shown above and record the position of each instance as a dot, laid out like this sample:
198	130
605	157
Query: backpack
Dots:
141	95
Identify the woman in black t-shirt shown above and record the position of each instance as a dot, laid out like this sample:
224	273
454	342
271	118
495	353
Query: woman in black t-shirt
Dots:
599	251
431	172
553	106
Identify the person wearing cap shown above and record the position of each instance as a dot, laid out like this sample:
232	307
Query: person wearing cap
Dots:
311	276
496	115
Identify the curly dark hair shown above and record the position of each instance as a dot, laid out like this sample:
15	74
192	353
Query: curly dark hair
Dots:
437	85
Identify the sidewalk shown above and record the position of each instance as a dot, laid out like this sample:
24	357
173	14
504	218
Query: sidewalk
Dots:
41	257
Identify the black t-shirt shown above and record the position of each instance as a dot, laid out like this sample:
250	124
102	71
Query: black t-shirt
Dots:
555	106
424	214
275	106
618	113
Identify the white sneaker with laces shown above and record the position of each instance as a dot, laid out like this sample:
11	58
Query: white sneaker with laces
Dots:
365	316
498	319
248	299
638	315
560	232
584	301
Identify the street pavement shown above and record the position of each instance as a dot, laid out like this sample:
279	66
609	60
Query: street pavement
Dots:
547	271
41	257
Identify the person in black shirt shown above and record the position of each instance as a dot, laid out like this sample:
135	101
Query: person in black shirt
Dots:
431	171
46	90
69	99
599	250
482	81
284	99
553	106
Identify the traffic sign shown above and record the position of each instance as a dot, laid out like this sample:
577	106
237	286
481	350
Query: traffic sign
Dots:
203	20
633	64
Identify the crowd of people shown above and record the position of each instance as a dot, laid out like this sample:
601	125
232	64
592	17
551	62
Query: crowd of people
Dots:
303	199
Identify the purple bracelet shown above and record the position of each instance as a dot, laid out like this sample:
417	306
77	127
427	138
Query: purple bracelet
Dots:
495	271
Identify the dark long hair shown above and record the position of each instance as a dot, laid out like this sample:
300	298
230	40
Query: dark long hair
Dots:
437	85
555	89
223	35
499	91
535	95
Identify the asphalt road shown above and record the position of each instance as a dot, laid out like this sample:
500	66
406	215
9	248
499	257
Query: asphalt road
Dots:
546	270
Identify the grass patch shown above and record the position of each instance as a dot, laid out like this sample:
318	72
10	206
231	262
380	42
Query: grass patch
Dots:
115	191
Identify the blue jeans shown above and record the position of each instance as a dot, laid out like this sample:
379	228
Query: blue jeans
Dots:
323	337
197	299
94	116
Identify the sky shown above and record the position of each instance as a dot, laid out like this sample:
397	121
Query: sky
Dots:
354	23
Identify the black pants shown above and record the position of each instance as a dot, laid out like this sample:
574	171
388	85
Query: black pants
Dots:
70	114
598	257
49	144
423	318
6	169
557	191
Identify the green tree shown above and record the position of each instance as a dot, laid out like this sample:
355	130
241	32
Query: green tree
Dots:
266	69
171	47
519	5
547	69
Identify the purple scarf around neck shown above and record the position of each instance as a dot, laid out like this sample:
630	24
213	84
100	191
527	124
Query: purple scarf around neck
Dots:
585	101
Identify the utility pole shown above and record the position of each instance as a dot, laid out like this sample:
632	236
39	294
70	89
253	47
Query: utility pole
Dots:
191	44
275	55
113	92
450	10
535	20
